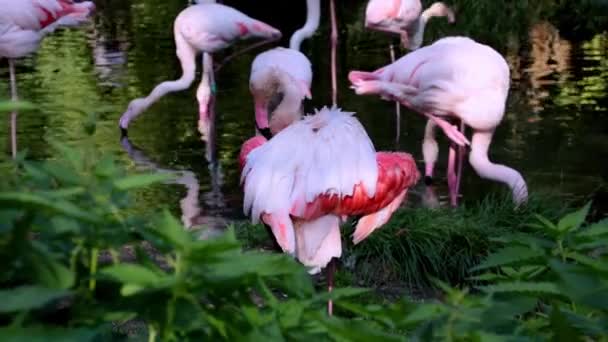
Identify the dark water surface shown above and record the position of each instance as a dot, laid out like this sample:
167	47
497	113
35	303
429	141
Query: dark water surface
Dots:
555	130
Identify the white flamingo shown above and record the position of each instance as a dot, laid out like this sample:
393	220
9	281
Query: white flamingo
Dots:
455	77
206	28
283	75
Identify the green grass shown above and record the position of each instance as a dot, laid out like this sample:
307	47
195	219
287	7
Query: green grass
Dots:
419	244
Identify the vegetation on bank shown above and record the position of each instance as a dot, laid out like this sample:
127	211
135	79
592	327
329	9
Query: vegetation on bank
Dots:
74	265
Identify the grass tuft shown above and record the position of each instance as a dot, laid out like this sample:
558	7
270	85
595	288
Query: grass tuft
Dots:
419	244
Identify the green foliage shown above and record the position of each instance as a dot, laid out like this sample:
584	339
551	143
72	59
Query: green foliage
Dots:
420	244
74	267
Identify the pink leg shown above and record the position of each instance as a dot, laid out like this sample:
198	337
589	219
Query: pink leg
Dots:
14	97
397	104
334	43
452	178
331	268
461	152
450	130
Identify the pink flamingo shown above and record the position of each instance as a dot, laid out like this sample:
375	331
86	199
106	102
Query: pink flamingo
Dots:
23	24
454	77
316	172
206	28
283	74
405	18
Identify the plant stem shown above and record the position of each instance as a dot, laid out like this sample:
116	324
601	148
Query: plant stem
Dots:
94	257
151	333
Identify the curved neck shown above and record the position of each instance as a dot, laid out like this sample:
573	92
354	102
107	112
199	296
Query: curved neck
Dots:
289	110
186	55
313	15
437	9
480	143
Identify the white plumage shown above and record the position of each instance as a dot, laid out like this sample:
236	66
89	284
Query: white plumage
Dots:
306	159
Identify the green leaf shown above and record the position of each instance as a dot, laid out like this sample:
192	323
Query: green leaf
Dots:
140	181
170	229
522	286
46	334
487	277
426	312
508	256
574	220
546	223
596	229
562	330
28	297
355	330
132	274
47	270
33	201
7	106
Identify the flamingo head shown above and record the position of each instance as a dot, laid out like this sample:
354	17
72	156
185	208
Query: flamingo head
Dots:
259	29
439	9
278	103
135	108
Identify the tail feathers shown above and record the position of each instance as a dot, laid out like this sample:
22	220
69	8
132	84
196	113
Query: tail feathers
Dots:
368	223
318	242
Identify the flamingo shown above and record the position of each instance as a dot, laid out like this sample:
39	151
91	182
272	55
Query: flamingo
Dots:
206	27
455	77
313	174
404	17
23	24
284	74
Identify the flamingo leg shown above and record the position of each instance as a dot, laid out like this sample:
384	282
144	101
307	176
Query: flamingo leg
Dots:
11	66
14	97
452	178
461	152
205	95
334	43
397	104
451	131
331	269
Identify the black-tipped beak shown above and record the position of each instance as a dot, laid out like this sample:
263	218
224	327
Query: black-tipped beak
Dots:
266	133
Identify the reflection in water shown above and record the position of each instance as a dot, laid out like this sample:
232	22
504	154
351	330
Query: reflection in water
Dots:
109	57
77	72
549	55
192	215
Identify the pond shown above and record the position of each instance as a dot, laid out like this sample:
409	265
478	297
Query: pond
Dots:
555	130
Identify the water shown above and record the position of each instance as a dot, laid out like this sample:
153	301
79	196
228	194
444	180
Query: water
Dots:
555	130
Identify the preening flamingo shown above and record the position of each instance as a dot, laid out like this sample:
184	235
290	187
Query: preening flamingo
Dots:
405	18
283	75
313	174
455	77
206	28
23	24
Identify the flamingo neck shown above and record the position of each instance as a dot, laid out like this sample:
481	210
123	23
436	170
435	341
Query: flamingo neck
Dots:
313	15
478	158
438	9
186	55
288	111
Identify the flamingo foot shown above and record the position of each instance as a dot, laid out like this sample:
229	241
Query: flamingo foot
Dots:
451	131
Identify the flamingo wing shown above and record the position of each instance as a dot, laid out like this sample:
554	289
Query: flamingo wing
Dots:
328	153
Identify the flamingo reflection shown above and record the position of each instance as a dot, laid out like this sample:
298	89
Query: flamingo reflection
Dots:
193	216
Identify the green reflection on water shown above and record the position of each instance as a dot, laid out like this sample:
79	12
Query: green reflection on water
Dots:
556	107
